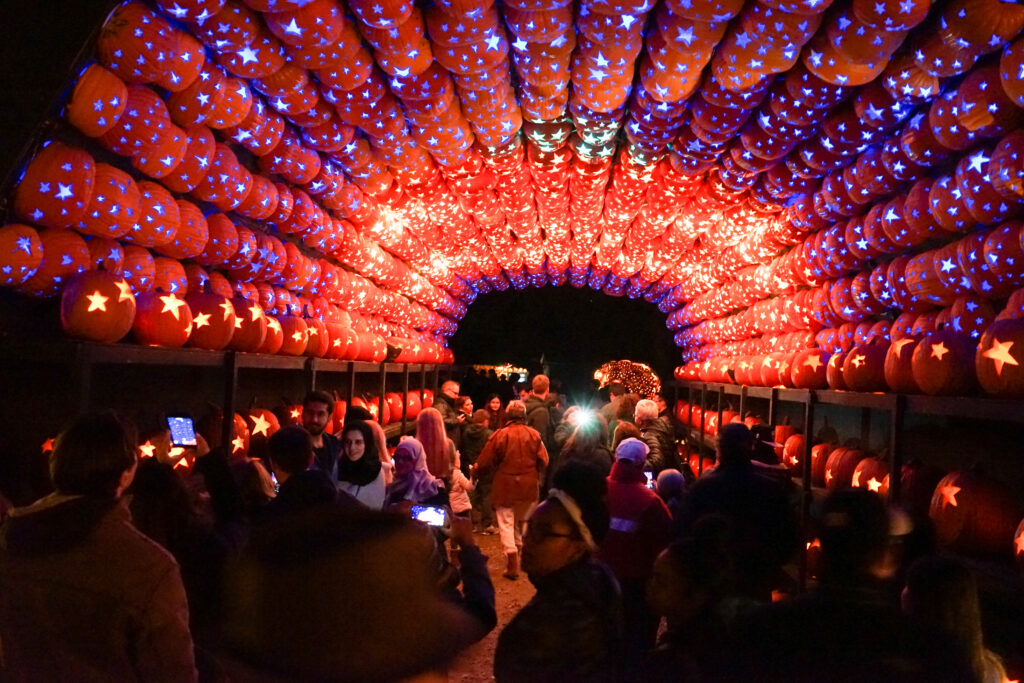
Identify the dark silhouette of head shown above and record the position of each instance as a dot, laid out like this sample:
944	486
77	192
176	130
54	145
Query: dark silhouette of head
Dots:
91	455
734	445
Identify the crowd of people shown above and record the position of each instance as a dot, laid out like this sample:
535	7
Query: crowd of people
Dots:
331	557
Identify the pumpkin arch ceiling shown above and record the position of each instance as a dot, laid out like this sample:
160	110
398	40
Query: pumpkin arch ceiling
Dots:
774	174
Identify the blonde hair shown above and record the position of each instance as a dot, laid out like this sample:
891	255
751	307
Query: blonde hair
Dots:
430	432
381	441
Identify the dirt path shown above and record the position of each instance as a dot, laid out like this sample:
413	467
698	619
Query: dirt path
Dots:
475	664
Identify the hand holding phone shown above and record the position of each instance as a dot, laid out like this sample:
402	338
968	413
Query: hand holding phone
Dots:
183	432
432	515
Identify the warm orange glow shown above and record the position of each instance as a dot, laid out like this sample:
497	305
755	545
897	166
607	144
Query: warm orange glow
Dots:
97	302
999	353
856	478
147	449
237	444
949	494
939	350
256	312
874	485
900	343
260	425
858	361
295	413
172	305
813	362
229	310
202	320
125	292
48	445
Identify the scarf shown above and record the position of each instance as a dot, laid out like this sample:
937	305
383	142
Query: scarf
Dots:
419	484
367	468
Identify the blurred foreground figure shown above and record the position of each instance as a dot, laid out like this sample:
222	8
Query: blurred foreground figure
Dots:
84	596
335	594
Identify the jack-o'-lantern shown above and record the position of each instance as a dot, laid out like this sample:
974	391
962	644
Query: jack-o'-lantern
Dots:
97	305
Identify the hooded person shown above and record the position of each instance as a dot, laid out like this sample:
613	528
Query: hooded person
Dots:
640	528
413	481
360	473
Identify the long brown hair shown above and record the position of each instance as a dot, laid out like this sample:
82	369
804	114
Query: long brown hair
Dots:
430	432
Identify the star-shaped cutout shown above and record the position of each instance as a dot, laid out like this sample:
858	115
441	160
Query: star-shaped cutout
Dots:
237	444
147	450
856	478
939	350
813	362
949	494
1000	354
256	312
97	302
260	425
874	485
900	343
202	320
172	305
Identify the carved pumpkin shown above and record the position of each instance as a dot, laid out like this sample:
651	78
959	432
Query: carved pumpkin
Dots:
781	435
819	462
294	335
21	253
1018	544
974	514
413	405
97	305
834	371
695	461
395	402
319	339
899	370
943	364
213	319
793	454
840	467
1000	358
64	254
274	338
428	398
162	319
864	366
56	187
250	326
872	473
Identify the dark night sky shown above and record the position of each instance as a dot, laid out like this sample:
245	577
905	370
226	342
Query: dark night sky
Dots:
576	329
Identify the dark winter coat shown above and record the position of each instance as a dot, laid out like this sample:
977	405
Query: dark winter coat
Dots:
640	525
450	417
659	438
474	437
571	630
85	596
538	416
325	458
765	532
516	453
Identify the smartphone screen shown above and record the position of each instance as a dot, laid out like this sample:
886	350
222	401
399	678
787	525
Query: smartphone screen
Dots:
650	479
183	432
430	514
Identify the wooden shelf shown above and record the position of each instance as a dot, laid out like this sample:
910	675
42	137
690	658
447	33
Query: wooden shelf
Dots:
265	361
971	407
395	428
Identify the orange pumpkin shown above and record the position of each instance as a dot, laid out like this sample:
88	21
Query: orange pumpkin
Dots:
974	514
294	335
839	468
64	254
899	372
943	363
834	371
793	454
250	326
808	370
214	319
872	473
56	187
114	206
864	366
1000	358
21	254
162	319
97	305
819	462
274	338
97	101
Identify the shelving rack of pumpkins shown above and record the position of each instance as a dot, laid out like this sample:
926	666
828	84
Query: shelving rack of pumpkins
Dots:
84	357
713	398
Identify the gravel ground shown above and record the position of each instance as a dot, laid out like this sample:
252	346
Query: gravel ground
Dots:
476	663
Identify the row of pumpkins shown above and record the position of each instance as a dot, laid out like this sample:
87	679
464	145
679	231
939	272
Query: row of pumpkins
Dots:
943	362
97	305
972	513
